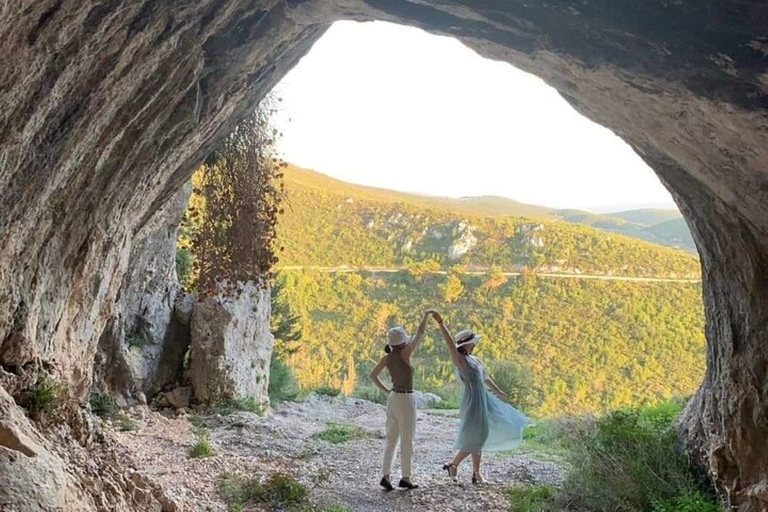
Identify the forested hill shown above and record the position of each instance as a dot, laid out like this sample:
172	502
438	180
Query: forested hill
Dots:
331	223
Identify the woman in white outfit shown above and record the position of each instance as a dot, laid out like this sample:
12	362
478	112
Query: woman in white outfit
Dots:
401	405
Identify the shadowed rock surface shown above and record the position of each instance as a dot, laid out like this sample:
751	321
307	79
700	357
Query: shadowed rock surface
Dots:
106	108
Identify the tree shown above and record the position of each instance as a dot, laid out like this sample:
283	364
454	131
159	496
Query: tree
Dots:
452	289
230	225
285	324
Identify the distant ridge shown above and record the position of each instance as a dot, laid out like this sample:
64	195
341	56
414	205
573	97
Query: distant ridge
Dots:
661	226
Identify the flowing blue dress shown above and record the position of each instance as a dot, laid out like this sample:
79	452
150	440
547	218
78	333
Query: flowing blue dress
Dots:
487	423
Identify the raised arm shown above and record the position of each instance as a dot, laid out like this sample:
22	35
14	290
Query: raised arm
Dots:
457	358
418	337
375	375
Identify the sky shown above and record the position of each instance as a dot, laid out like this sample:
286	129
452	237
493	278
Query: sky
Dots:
395	107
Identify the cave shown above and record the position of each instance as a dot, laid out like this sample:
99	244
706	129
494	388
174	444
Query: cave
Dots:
108	107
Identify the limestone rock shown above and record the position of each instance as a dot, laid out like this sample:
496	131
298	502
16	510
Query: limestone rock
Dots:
143	347
179	397
232	346
426	400
463	241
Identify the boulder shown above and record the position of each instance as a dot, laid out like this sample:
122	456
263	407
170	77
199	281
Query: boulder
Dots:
232	345
426	400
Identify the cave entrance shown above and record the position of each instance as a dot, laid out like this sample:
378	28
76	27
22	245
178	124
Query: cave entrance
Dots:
577	306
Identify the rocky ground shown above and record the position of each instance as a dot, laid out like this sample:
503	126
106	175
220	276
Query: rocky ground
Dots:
248	444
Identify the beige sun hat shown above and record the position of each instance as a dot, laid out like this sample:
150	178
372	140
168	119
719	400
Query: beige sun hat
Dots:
397	336
466	337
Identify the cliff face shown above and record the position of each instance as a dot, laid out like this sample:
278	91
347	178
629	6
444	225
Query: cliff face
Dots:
106	108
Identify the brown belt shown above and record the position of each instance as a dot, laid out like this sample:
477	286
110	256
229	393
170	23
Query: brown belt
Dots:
407	392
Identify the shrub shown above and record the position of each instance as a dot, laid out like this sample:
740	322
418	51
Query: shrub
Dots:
516	381
249	404
126	424
338	433
630	460
371	394
282	383
279	491
445	405
691	502
184	266
532	498
201	449
139	339
326	390
46	395
102	404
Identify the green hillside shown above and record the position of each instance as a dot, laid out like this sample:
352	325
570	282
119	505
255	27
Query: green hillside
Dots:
331	223
569	346
647	217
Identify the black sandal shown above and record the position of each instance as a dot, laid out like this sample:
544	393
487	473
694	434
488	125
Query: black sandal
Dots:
405	484
386	484
476	478
448	467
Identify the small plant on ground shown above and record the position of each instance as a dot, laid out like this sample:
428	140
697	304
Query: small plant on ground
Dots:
249	404
337	433
102	404
46	395
139	339
445	405
126	424
278	492
532	498
201	449
326	390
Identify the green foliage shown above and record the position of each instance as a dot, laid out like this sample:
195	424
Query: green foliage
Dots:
285	323
278	492
184	261
126	424
328	391
140	339
102	404
229	226
331	223
282	382
516	380
693	501
337	433
248	404
446	405
630	460
557	346
370	393
201	449
46	395
532	498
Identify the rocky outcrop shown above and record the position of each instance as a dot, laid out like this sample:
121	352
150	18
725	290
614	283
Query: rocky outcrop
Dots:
232	346
142	348
106	108
75	472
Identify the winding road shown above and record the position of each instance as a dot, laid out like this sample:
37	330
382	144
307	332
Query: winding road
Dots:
548	275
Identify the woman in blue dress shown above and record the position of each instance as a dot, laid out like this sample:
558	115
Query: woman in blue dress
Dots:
487	423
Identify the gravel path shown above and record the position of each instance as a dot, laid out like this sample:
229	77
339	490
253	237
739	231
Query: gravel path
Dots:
247	444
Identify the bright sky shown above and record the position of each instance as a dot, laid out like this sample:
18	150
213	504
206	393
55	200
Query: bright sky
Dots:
394	107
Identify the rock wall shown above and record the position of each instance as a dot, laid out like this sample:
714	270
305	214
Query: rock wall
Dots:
143	346
231	346
106	108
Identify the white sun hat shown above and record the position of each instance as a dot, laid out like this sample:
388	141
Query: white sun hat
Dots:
466	337
397	336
